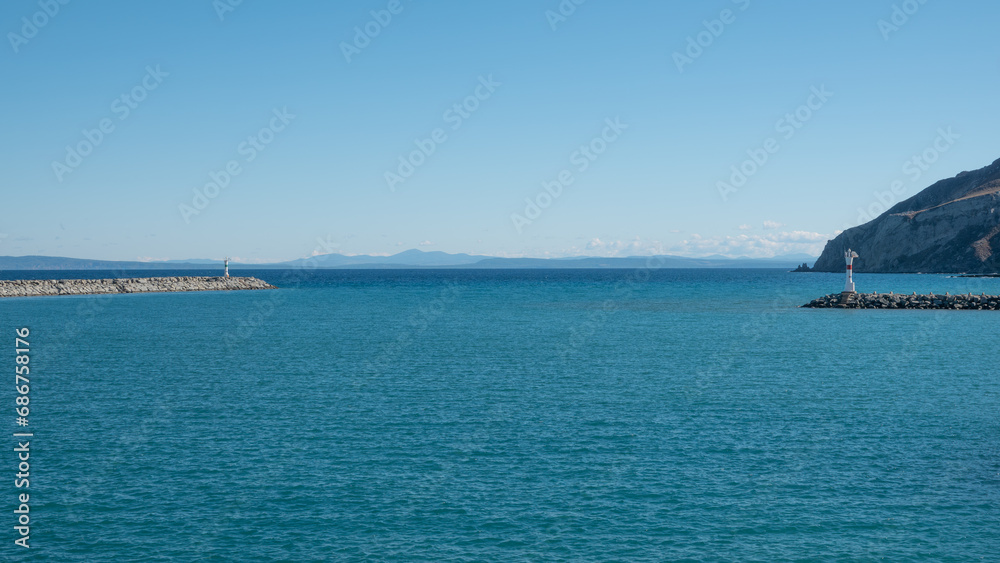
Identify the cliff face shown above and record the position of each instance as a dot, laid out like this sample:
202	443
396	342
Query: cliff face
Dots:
951	227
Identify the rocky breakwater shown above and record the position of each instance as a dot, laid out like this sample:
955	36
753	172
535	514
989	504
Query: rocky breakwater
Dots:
34	288
896	301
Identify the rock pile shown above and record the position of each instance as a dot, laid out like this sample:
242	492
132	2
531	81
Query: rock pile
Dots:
895	301
32	288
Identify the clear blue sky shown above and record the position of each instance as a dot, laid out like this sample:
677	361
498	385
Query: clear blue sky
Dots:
323	174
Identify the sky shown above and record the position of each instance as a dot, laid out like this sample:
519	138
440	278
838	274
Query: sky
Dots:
272	131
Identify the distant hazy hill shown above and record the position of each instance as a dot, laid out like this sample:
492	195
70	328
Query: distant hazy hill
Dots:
640	262
949	227
407	259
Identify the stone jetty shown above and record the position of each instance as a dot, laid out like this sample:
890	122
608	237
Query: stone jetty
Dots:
890	300
34	288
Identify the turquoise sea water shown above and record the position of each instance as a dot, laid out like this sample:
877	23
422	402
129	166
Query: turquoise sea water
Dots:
509	416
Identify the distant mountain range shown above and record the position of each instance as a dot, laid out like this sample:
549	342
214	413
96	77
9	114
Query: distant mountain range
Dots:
408	259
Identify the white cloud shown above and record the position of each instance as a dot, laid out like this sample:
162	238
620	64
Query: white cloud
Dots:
801	236
426	243
612	248
754	246
745	228
769	225
237	259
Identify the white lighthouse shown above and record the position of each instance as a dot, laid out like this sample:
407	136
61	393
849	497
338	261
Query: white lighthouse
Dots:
227	267
849	256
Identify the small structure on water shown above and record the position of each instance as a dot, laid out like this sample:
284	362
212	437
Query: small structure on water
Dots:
849	256
227	266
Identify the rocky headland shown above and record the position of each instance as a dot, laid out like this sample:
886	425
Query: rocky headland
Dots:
949	227
35	288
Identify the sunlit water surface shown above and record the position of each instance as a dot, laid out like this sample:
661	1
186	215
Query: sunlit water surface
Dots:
510	416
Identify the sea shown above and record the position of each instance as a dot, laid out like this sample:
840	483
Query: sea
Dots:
505	415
